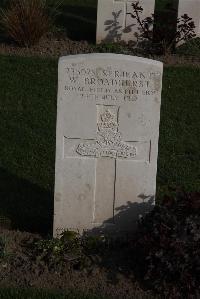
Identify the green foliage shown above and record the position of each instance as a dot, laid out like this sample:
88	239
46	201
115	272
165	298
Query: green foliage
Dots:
69	250
184	30
59	251
167	250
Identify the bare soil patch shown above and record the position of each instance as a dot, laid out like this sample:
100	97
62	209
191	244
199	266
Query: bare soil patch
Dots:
108	275
49	46
55	46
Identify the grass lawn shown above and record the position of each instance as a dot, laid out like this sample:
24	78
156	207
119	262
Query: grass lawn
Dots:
178	163
28	88
42	294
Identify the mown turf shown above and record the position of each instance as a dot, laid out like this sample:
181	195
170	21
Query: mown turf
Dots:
27	130
28	88
42	294
179	155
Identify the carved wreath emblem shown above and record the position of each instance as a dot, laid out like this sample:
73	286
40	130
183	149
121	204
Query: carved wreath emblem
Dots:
109	141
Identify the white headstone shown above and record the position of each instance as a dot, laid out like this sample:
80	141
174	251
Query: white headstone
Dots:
113	19
192	9
107	141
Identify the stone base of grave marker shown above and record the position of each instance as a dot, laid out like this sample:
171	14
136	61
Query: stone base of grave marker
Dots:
107	141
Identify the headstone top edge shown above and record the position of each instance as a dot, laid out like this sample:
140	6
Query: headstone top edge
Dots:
120	57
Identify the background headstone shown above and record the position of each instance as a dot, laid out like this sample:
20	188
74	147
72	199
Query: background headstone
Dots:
114	22
108	116
192	9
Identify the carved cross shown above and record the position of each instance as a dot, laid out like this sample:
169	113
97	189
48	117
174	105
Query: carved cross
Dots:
126	7
106	149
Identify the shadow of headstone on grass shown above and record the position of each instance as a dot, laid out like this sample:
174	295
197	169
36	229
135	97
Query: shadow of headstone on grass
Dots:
125	219
23	205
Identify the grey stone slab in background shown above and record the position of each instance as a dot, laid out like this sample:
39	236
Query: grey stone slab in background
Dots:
108	115
114	22
192	9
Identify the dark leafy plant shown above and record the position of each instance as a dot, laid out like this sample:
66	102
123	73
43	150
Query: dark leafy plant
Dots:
69	250
59	251
167	249
185	31
25	22
145	25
